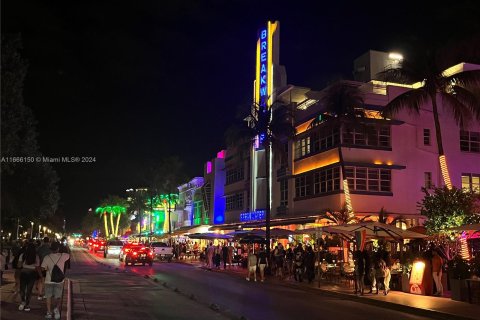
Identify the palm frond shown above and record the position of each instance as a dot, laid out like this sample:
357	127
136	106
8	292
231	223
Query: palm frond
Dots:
465	79
461	103
410	100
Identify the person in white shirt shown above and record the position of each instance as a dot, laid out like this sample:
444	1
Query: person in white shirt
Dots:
54	289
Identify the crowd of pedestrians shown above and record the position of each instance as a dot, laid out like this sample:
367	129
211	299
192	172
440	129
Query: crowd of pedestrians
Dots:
34	262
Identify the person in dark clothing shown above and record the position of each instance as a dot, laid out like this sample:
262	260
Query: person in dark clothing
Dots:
299	263
309	261
368	267
359	271
225	255
29	273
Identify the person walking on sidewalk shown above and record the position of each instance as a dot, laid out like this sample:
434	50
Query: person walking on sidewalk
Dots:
210	253
54	290
252	265
43	251
262	263
437	263
225	255
29	273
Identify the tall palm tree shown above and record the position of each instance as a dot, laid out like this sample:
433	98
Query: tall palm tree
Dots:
112	206
269	128
454	90
138	204
165	179
342	104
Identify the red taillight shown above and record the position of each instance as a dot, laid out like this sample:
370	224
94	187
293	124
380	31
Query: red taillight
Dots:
150	253
127	250
135	253
95	245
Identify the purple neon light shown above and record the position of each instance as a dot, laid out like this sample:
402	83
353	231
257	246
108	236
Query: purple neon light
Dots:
209	167
221	154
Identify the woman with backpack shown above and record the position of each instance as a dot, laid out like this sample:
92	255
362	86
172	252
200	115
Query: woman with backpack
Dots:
30	272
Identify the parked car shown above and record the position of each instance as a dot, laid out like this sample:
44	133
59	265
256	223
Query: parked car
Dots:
99	245
137	253
113	247
162	251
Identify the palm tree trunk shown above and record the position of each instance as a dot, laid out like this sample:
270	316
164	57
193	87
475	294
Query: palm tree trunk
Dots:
111	221
346	189
105	223
118	222
441	154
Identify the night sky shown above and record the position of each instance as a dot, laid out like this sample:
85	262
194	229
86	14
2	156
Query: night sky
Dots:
130	82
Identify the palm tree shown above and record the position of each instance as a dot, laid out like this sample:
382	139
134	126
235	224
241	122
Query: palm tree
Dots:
454	89
138	204
269	128
165	179
383	217
112	206
342	104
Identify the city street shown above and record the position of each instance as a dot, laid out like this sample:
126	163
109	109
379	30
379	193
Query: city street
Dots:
231	293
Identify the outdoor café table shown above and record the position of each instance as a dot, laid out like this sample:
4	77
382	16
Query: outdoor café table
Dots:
469	287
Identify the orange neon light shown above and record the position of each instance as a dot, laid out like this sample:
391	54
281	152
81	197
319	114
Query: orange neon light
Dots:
304	126
317	161
348	198
444	168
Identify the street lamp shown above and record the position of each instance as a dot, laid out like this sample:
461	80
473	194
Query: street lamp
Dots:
31	230
44	230
39	228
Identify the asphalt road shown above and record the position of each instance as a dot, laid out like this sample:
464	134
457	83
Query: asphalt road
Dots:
235	297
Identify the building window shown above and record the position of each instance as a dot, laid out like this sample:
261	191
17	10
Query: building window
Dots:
302	186
470	141
326	180
284	192
471	181
426	137
372	136
234	175
368	179
428	180
302	147
234	201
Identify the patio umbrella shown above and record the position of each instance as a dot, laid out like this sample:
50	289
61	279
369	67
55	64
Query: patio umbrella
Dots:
376	230
210	236
278	233
253	239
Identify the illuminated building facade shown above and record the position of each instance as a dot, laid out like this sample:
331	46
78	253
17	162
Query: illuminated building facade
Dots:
386	167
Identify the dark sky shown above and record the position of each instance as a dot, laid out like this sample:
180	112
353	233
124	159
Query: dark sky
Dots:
134	81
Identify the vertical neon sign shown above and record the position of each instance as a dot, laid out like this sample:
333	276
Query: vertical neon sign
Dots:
263	72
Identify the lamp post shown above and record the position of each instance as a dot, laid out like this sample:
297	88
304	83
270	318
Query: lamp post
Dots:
31	230
39	228
44	229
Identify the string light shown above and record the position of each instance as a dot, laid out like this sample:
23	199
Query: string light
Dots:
348	199
444	168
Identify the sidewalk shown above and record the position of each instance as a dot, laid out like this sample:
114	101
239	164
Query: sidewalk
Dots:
9	302
428	306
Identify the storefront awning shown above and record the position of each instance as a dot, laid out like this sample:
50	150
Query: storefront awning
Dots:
190	229
277	222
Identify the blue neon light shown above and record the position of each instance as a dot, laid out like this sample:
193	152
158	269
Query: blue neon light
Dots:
263	67
252	215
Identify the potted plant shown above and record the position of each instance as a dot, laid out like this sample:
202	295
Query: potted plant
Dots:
458	271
